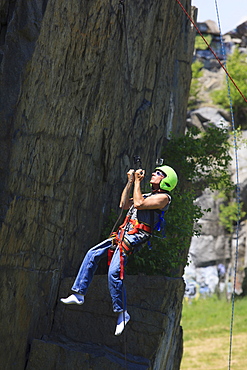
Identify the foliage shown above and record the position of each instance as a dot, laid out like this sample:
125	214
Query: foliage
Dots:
230	211
203	157
200	43
237	68
229	214
165	254
202	161
238	141
196	69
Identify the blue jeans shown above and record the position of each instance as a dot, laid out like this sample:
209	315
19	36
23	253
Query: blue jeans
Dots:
88	268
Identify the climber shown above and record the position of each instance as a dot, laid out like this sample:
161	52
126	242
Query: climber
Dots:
144	212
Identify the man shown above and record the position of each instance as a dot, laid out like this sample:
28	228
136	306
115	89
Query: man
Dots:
144	212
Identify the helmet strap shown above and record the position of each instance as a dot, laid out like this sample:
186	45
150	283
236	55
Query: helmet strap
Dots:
158	190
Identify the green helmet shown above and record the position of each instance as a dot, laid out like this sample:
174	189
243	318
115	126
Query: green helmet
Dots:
171	179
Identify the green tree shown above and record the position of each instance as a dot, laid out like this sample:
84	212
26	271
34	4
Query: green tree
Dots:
237	68
229	214
201	160
200	43
196	69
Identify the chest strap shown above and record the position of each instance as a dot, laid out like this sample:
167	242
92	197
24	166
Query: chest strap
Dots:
136	226
139	226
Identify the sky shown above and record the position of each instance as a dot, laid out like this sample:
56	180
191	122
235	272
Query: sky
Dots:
231	12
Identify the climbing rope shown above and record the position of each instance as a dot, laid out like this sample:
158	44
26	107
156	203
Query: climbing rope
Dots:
228	77
237	192
123	7
212	51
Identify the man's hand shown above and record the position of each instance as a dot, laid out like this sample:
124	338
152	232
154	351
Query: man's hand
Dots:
130	175
139	175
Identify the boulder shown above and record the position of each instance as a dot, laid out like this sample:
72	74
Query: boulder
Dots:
211	115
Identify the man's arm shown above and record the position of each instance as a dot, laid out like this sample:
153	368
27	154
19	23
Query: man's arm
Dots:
125	201
159	201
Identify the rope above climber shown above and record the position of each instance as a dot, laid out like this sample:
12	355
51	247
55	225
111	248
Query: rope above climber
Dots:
143	214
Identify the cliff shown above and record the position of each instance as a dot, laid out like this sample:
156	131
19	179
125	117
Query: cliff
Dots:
84	87
213	254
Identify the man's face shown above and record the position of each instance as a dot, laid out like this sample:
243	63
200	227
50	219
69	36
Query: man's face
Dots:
156	178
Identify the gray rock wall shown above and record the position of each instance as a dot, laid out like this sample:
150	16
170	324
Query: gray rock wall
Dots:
153	303
74	111
215	245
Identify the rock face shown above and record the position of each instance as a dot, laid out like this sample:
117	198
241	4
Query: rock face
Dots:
216	247
77	327
84	87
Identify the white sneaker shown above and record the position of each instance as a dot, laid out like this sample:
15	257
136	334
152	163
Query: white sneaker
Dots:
122	321
73	299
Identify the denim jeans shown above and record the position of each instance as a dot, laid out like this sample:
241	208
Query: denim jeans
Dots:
88	268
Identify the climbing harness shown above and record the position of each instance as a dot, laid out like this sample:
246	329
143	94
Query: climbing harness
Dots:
134	226
124	246
212	51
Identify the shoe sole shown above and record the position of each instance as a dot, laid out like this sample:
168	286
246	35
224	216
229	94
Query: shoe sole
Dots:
78	303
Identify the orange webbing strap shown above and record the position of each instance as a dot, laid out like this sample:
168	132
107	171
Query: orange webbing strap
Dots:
120	240
127	218
138	226
110	253
113	247
121	262
126	249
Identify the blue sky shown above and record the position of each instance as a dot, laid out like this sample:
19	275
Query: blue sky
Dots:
232	12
